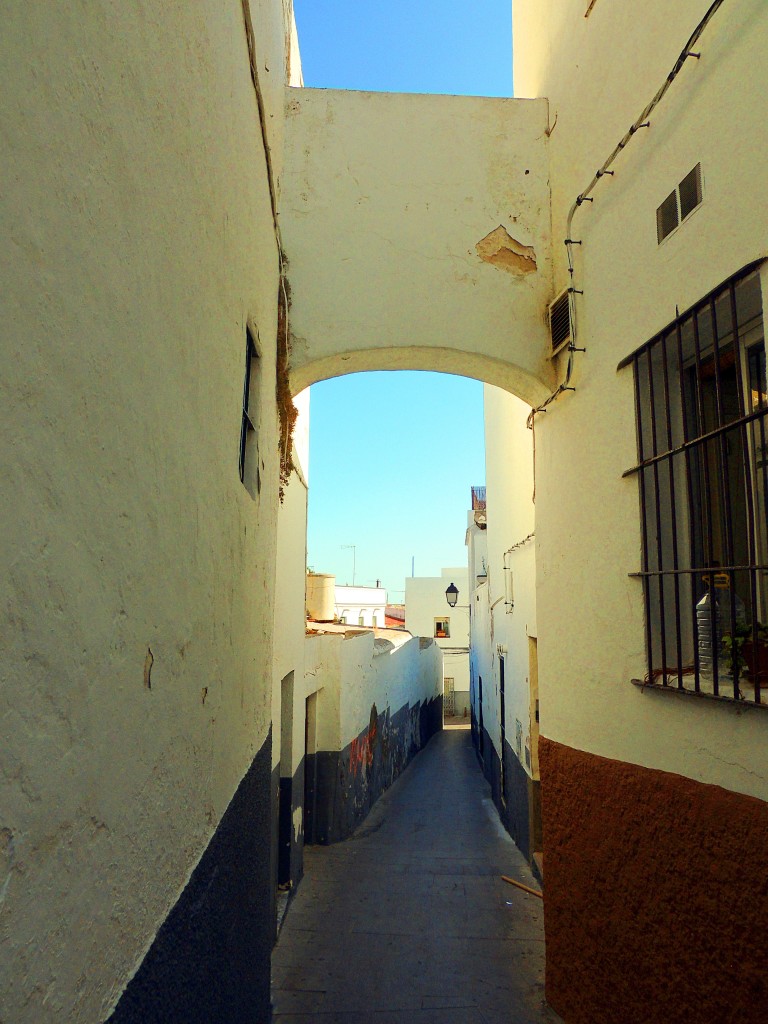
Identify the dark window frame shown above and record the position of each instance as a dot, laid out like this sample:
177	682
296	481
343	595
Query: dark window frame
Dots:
249	424
445	632
700	412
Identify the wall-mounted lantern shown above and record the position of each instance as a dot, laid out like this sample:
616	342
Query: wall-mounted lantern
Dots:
452	595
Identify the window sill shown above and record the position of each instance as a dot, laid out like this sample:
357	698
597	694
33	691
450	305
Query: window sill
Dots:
741	705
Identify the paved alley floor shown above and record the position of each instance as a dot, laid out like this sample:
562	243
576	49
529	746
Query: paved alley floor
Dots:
409	920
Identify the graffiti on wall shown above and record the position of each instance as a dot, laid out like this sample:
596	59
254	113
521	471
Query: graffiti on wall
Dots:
361	749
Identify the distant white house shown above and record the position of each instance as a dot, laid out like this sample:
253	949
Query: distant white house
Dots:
360	606
427	613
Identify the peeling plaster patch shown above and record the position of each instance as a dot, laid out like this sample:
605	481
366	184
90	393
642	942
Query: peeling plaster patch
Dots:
500	249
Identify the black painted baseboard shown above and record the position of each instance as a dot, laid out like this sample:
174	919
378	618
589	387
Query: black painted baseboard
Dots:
210	960
516	795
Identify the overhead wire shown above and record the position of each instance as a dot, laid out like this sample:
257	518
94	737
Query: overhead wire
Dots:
586	197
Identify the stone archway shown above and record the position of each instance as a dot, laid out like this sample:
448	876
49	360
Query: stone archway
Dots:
416	233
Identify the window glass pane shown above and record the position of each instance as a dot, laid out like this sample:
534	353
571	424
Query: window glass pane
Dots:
758	393
657	398
749	308
675	407
690	394
642	409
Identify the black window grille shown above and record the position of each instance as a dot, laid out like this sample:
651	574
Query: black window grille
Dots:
701	403
249	473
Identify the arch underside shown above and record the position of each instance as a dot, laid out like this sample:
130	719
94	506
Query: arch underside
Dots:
417	236
507	376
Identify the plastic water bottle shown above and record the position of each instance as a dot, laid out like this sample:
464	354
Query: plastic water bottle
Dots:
712	645
704	623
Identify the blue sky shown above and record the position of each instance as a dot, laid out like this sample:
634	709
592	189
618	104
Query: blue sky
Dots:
399	488
407	45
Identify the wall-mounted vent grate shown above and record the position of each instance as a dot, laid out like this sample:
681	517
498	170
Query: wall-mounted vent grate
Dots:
690	192
679	204
667	217
560	321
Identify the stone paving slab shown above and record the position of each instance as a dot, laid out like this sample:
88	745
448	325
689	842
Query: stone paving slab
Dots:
409	920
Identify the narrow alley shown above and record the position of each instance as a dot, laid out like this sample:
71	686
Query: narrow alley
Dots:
409	919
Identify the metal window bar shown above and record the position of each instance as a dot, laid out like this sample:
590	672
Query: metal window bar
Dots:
657	503
689	491
643	517
749	482
673	514
723	476
761	464
719	456
247	423
707	507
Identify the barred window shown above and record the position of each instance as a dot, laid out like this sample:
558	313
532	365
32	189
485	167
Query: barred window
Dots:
701	404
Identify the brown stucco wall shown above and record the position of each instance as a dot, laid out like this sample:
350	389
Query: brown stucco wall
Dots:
656	895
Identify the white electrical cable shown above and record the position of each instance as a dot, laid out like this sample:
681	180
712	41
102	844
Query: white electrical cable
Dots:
586	195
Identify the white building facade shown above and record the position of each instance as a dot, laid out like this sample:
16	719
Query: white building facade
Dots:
361	606
504	634
428	614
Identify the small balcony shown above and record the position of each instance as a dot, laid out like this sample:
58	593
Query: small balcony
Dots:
478	499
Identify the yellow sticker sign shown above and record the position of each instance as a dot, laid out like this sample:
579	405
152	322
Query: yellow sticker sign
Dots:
722	580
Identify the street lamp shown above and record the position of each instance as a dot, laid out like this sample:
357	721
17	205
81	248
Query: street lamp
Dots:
452	595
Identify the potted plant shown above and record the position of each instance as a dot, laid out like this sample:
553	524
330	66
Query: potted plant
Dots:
755	656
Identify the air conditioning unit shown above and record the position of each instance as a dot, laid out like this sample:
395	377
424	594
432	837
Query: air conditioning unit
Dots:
560	321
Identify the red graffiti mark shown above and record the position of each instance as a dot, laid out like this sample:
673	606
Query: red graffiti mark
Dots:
361	748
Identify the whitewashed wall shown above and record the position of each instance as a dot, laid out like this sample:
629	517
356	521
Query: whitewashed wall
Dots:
290	591
424	602
136	626
350	674
355	603
588	530
511	519
412	189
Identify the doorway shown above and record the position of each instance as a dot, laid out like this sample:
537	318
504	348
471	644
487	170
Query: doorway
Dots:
285	795
310	768
502	725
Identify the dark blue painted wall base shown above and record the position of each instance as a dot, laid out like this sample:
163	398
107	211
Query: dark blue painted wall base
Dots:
519	805
290	848
210	960
347	783
284	831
